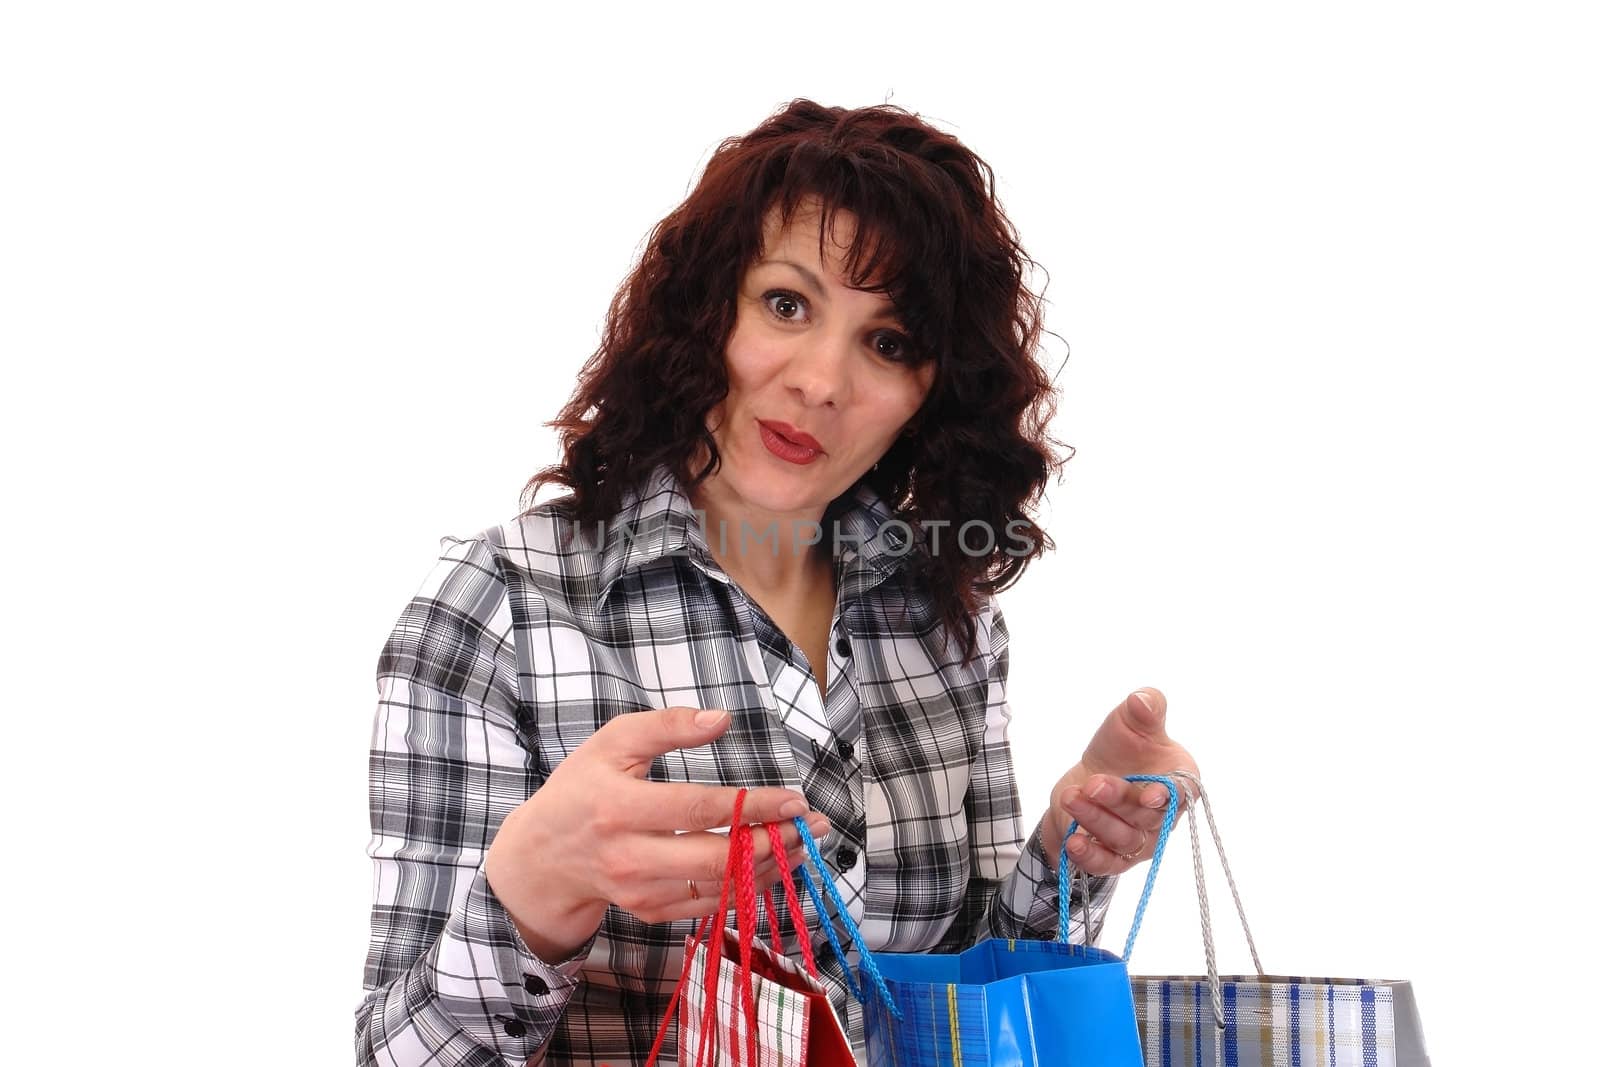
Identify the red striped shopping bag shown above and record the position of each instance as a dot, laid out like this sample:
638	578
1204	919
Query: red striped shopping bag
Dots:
738	1002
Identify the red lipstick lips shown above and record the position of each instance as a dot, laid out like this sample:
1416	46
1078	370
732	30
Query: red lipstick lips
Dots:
799	437
788	443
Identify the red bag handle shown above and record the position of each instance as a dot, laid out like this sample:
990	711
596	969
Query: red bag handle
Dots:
792	898
739	878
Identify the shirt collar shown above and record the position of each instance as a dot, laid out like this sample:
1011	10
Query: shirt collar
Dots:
657	520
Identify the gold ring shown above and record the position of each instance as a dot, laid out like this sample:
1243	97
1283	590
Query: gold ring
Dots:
1144	839
694	894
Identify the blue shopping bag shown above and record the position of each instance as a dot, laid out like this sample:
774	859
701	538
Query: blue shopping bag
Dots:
1014	1003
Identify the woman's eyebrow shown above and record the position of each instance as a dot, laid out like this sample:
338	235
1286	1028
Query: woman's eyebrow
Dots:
811	279
888	312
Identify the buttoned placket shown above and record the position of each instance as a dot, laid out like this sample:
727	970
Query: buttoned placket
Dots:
813	724
824	732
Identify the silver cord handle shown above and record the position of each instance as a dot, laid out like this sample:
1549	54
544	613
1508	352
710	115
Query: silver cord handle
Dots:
1192	789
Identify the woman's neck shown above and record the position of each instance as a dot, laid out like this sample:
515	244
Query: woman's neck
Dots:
769	555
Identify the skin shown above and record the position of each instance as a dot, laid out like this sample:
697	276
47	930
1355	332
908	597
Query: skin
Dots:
835	362
809	350
1117	816
616	835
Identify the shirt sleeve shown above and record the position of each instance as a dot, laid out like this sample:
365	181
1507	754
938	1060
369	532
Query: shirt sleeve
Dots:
448	979
1012	888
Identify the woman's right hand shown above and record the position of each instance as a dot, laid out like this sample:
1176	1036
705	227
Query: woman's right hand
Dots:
595	834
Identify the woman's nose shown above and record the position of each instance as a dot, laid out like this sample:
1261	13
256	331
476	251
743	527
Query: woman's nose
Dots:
818	369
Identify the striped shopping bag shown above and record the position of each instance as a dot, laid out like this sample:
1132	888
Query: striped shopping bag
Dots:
742	1004
1014	1003
1264	1020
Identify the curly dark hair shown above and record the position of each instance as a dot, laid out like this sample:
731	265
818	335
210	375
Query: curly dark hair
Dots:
948	258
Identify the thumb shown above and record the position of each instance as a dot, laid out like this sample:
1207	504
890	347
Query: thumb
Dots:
633	740
1146	712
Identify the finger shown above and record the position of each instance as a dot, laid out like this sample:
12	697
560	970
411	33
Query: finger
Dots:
633	740
1092	857
796	856
662	900
789	836
767	871
657	900
796	853
767	874
1138	804
1103	823
1147	712
690	806
1155	799
816	822
1129	801
700	855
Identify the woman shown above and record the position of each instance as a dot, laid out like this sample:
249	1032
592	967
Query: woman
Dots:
800	465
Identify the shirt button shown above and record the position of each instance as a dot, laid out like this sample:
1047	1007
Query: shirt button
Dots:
535	985
514	1028
845	858
842	647
846	749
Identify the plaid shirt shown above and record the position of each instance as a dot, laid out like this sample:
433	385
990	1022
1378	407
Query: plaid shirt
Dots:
519	646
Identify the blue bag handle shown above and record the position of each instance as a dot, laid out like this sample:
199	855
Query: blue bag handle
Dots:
868	964
1064	870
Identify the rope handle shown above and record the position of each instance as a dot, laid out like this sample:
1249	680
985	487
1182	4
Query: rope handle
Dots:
738	855
1193	788
792	898
738	882
1064	866
868	964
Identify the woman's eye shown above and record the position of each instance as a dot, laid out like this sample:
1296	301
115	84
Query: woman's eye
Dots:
780	303
788	306
892	346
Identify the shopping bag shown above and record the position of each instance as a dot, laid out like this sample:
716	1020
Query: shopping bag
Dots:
795	1022
1269	1020
1013	1003
740	1003
1005	1004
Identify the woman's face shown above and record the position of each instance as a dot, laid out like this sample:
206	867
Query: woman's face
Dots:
819	385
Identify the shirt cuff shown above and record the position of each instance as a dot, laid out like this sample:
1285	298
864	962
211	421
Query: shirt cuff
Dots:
1032	892
498	990
1032	895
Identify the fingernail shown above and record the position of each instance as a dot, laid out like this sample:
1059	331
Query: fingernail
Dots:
1099	791
818	825
791	808
1069	796
706	719
1156	802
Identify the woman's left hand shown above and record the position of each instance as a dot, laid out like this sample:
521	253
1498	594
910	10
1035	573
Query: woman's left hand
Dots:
1117	820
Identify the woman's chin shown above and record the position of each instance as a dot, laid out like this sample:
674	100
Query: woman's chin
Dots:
780	492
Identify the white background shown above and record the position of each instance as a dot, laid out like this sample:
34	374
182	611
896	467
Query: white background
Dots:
289	290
